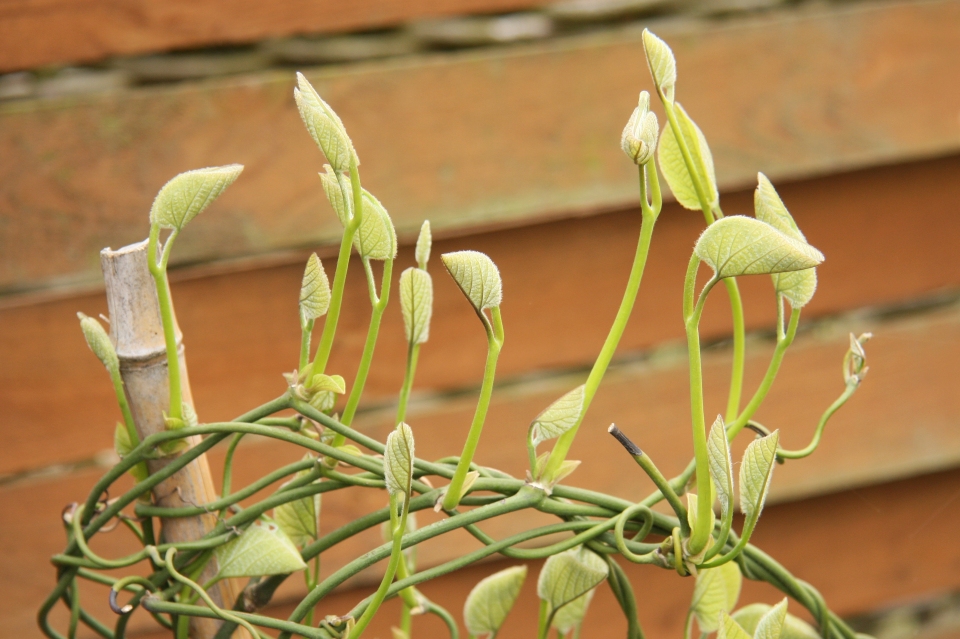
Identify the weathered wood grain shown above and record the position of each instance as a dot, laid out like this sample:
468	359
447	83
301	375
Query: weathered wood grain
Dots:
70	31
473	139
241	330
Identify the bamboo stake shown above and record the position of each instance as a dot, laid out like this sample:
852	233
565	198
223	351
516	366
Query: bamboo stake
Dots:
137	333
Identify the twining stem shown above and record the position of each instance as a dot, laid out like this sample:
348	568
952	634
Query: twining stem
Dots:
340	276
834	407
413	354
379	305
650	211
494	344
397	527
159	272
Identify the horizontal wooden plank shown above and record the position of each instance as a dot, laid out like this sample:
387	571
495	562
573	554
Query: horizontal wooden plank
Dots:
70	31
851	545
241	330
472	139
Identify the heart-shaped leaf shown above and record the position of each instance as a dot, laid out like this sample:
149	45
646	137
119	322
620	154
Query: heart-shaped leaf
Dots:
771	623
756	471
424	243
798	286
324	125
477	276
558	417
299	519
571	615
262	549
491	600
716	591
793	627
99	342
663	66
185	196
730	629
398	457
314	291
416	304
674	167
570	574
721	464
376	237
738	245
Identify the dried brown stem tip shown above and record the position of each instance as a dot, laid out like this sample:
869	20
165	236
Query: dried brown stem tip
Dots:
632	448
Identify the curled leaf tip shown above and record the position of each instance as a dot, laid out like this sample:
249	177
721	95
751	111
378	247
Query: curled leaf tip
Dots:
477	276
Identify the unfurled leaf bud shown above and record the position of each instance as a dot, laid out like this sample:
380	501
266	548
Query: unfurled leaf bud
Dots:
771	623
639	138
738	245
855	361
376	237
570	574
398	457
424	243
416	304
756	472
329	383
721	464
477	276
663	66
324	126
99	342
558	417
185	196
730	629
716	591
793	627
314	291
339	192
491	600
674	166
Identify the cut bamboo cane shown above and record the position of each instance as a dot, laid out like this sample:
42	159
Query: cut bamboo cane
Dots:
137	333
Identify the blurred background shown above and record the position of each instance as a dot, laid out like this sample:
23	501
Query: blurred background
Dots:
499	120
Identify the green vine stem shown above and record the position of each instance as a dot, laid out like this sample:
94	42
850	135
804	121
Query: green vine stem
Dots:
650	210
340	276
413	354
158	269
494	344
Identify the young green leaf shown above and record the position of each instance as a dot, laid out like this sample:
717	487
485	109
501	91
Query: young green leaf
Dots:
571	615
639	137
323	401
793	627
324	126
99	342
730	629
692	499
798	286
299	519
716	591
339	193
398	457
558	417
490	601
771	624
738	245
376	238
721	464
330	383
663	66
314	291
570	574
424	243
260	550
674	168
756	472
416	304
185	196
477	276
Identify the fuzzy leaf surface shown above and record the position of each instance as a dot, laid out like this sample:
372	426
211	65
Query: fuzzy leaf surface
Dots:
730	629
738	245
491	600
716	591
674	167
299	519
376	238
477	276
771	623
324	125
571	615
558	417
261	549
793	627
416	304
798	286
570	574
721	464
185	196
756	471
662	64
424	244
99	342
314	291
398	460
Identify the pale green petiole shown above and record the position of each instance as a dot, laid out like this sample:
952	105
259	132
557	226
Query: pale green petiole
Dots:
158	269
827	414
340	277
413	354
494	344
306	331
397	527
650	210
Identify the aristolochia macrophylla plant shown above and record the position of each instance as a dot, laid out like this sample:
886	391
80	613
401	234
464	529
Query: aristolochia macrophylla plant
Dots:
594	535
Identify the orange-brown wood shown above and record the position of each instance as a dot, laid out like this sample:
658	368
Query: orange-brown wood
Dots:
473	139
70	31
885	233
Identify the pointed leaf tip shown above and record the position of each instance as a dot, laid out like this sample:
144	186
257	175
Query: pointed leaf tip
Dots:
314	291
188	194
491	600
738	245
416	304
662	64
424	244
